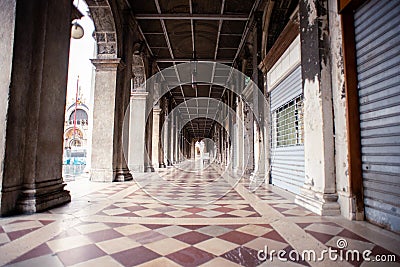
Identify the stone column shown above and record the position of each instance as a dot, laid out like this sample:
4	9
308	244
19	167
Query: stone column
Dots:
235	139
137	125
8	20
33	76
156	138
240	136
161	132
102	162
319	191
192	149
165	148
248	140
266	137
172	140
148	142
176	141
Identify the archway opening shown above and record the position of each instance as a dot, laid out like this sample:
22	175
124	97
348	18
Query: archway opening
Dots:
79	100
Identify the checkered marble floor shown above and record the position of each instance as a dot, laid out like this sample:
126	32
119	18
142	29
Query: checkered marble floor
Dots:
182	218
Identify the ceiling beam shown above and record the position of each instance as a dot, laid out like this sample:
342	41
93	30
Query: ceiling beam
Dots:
184	60
193	47
164	28
247	28
184	16
230	34
219	29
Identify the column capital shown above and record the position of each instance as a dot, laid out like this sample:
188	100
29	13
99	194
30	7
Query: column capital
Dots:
157	111
139	95
105	64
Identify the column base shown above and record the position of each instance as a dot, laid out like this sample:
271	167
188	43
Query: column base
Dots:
320	203
256	180
136	168
123	175
46	195
149	168
101	175
248	172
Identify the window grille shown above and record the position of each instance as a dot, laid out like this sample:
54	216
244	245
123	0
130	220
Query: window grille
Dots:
287	124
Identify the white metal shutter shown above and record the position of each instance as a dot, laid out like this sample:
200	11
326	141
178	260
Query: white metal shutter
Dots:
287	162
377	33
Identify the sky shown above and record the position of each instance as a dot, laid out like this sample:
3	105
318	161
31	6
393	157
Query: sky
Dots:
81	51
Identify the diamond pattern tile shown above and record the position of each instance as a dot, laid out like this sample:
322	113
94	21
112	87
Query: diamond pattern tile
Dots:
133	228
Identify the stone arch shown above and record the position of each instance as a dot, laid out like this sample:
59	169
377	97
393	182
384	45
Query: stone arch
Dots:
104	20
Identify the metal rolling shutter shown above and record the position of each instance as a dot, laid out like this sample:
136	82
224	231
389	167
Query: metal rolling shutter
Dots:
287	162
378	65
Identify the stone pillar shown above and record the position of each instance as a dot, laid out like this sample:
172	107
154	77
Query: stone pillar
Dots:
234	147
176	141
265	136
137	125
192	149
156	139
8	20
161	132
240	136
319	191
256	148
172	140
33	76
148	143
248	140
166	147
103	135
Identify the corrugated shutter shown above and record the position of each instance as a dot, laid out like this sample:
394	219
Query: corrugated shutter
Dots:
287	89
287	162
287	168
378	65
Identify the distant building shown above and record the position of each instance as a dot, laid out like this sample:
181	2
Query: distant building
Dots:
76	132
80	137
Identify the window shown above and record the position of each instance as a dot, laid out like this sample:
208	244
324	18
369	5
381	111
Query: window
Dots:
288	125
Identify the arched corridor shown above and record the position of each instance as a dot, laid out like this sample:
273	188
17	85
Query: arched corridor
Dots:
218	130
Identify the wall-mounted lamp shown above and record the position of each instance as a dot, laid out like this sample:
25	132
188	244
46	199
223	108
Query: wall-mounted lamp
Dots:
77	31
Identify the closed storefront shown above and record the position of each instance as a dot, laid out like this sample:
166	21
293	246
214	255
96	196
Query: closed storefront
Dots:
377	41
287	142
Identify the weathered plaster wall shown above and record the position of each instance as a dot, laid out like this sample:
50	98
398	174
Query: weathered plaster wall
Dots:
339	108
7	20
319	192
318	126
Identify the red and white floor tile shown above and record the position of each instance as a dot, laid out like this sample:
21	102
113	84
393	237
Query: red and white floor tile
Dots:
177	219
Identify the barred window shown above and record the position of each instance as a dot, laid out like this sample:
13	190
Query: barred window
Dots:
288	127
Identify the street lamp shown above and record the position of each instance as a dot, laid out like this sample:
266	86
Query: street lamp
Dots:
77	30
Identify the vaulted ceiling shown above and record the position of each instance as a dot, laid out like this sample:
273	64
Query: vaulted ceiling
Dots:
179	31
